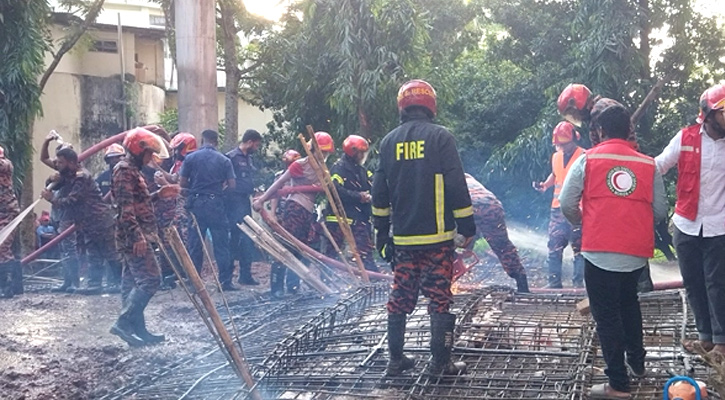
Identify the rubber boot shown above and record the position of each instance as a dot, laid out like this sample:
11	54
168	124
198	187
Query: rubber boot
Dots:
644	284
124	326
6	290
578	273
554	266
94	283
114	273
245	275
398	362
276	280
522	284
441	344
139	322
16	277
70	272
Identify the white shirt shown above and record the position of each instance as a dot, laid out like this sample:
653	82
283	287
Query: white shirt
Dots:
711	204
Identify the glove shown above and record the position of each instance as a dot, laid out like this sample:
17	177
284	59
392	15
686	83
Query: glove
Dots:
386	247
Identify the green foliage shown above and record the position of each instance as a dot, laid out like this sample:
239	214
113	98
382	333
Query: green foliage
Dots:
22	45
169	120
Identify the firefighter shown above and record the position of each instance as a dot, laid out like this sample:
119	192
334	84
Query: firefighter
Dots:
238	203
112	155
353	184
276	205
561	232
92	216
299	212
136	235
578	105
621	196
698	153
182	144
420	185
491	225
9	209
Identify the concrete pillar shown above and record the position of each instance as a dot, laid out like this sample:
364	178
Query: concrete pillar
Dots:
195	22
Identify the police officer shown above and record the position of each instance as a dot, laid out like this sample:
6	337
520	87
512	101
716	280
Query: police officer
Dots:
420	183
206	172
239	205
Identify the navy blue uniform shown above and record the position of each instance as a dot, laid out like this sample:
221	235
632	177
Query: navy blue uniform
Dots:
207	171
239	206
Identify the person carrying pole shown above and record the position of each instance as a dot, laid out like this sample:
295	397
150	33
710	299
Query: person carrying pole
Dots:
419	188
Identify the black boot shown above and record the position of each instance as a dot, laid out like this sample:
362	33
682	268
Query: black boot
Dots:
398	362
114	273
522	284
245	275
139	322
70	274
16	277
6	290
644	284
441	343
276	280
124	326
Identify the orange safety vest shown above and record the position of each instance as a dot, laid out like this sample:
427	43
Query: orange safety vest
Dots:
560	170
688	172
617	213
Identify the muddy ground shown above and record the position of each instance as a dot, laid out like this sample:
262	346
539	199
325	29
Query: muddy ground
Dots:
57	346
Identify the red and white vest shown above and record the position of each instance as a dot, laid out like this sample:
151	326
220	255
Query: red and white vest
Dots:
688	170
617	213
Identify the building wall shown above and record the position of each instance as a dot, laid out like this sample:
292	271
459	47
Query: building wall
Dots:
250	117
103	64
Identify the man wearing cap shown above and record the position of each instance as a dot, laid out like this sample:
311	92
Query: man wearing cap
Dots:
698	152
561	232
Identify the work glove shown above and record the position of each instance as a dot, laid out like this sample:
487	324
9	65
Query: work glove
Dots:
385	246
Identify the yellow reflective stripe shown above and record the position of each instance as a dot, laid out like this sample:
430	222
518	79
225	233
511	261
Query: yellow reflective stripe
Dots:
440	203
619	157
687	148
370	174
381	212
337	178
424	239
332	218
463	212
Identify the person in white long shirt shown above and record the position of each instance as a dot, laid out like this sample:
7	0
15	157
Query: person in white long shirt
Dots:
698	151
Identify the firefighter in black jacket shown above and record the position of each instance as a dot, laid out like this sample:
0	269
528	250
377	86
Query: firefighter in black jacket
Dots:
420	184
352	182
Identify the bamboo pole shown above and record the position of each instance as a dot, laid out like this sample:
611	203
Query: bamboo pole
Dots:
239	365
287	257
318	164
337	248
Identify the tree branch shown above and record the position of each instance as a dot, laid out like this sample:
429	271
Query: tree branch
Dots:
653	94
71	40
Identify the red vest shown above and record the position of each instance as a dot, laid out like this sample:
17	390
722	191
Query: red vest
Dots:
617	211
688	172
560	170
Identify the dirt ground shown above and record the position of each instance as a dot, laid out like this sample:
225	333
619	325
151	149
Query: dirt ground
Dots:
58	346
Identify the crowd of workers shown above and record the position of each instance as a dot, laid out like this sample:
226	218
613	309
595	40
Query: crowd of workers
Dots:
419	204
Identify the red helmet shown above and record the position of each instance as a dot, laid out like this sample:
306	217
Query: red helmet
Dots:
710	100
290	156
324	140
139	140
354	144
184	143
114	150
564	132
572	103
417	93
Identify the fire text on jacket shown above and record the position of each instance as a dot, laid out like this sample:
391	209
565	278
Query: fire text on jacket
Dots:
413	150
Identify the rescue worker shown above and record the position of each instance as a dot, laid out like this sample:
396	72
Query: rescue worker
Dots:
276	205
420	184
698	153
239	205
182	144
92	216
491	225
578	105
206	172
136	235
112	155
353	184
63	219
621	196
9	209
298	218
561	232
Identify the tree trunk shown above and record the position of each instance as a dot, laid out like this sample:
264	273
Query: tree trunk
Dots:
233	76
